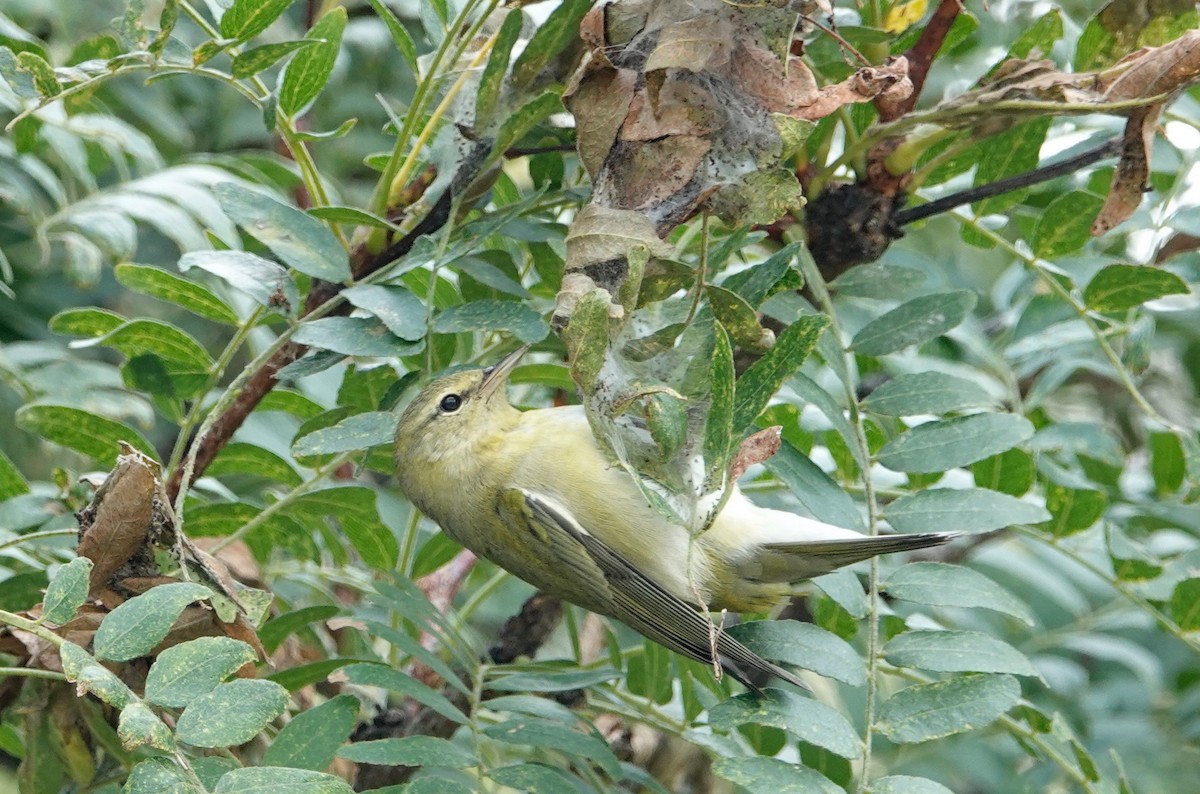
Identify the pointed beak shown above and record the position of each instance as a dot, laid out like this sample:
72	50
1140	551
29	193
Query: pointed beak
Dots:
494	377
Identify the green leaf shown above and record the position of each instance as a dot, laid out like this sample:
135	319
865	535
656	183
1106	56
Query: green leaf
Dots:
160	284
846	590
1040	36
253	61
914	322
718	423
940	584
820	496
931	711
299	405
278	629
804	718
138	726
879	281
1185	604
186	671
533	778
803	645
957	652
41	72
522	120
354	336
160	776
929	392
280	780
136	626
564	680
555	736
1118	288
559	29
763	280
1013	151
89	676
11	482
312	737
1066	224
18	77
94	436
492	78
907	784
307	73
763	378
962	510
737	316
400	36
169	343
247	18
950	443
1167	462
263	280
758	775
300	676
409	645
1073	509
354	432
1010	472
352	215
297	238
385	677
67	591
240	457
401	311
232	713
358	518
409	751
493	315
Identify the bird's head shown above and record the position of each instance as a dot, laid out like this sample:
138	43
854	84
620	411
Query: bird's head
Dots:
452	414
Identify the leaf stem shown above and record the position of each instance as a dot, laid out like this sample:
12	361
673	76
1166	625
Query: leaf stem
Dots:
1133	596
816	283
291	496
33	627
1035	264
214	377
49	533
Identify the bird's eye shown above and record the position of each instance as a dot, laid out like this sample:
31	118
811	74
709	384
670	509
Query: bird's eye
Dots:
450	403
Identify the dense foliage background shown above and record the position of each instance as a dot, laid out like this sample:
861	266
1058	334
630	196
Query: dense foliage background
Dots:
257	226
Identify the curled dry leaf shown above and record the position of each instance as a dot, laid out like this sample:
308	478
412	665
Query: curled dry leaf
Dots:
678	106
1138	86
1153	71
114	527
755	449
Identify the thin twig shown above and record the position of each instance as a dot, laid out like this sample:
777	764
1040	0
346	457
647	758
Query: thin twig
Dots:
1109	148
920	57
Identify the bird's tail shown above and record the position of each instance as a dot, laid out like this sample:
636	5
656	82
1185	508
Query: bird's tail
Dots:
795	560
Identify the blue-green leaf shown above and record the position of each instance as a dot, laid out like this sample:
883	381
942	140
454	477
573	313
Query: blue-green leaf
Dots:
914	322
297	238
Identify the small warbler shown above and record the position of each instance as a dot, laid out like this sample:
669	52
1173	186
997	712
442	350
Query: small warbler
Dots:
533	492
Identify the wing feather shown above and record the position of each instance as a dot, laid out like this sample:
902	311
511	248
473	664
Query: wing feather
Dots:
625	593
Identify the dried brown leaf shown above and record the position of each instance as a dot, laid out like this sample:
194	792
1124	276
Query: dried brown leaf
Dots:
658	170
122	507
1153	71
600	104
1132	177
889	80
699	44
755	449
670	105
